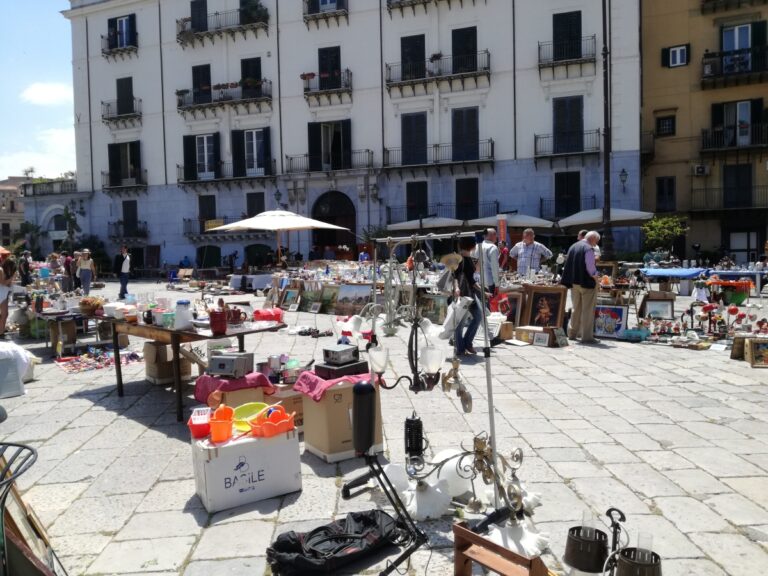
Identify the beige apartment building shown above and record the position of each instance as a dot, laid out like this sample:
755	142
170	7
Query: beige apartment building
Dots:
11	208
705	122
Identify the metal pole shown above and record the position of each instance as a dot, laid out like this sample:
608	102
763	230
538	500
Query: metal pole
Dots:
607	146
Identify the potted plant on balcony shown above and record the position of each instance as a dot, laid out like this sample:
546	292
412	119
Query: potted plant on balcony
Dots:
180	96
253	12
434	60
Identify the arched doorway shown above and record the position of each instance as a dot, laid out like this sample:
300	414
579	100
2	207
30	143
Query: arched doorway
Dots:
208	257
335	208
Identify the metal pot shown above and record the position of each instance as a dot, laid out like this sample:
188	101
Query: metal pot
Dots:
290	376
275	363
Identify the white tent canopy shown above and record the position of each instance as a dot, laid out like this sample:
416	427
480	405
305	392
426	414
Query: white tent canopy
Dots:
513	221
427	224
278	221
594	217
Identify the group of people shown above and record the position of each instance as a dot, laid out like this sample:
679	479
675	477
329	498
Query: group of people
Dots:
76	270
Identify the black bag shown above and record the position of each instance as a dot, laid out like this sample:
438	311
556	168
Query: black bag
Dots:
330	547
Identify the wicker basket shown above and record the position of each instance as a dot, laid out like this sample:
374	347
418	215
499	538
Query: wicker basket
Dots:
88	310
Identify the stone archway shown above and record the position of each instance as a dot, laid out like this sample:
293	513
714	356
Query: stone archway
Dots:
334	207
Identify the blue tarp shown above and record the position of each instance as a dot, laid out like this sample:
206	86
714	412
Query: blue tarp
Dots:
683	273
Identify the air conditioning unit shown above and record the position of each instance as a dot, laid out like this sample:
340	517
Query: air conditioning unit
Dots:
700	170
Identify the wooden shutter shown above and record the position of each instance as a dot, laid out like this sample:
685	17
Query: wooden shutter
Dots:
124	88
216	155
190	158
568	124
467	199
465	135
759	43
464	47
130	214
135	154
346	144
250	74
414	138
198	11
201	84
313	6
687	53
206	207
413	57
416	200
315	146
238	153
566	35
113	155
665	57
567	193
254	203
132	35
266	151
329	67
112	33
757	129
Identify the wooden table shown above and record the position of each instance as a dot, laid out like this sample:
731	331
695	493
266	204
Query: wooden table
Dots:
175	338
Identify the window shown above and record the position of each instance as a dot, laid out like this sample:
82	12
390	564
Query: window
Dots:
254	203
665	126
736	124
416	199
205	157
566	36
465	137
121	32
467	199
665	194
737	40
413	57
327	5
123	29
737	185
567	193
124	163
251	153
568	124
677	56
206	207
254	153
124	87
413	138
330	145
13	206
464	46
743	246
329	68
201	84
130	217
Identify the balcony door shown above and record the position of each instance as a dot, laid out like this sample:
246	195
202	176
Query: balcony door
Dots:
201	84
206	157
568	124
414	138
567	193
206	210
465	135
566	36
737	124
737	185
330	146
329	67
467	199
327	5
737	40
413	57
416	200
250	75
254	152
124	163
124	87
198	11
130	217
121	31
464	47
254	203
743	246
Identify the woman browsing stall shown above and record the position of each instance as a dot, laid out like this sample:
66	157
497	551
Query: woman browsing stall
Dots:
86	271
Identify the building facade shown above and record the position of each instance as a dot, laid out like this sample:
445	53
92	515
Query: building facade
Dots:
11	208
705	122
357	112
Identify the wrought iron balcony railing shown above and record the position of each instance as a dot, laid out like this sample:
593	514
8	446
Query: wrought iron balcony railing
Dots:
405	213
357	159
729	198
565	51
222	21
204	226
121	229
647	143
709	6
223	171
733	64
223	94
439	68
551	209
314	9
338	81
566	143
113	110
115	180
482	151
112	45
735	137
48	188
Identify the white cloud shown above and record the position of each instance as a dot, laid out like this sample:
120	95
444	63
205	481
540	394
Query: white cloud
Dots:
47	94
52	153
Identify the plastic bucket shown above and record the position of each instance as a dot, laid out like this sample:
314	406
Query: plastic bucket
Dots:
218	320
221	430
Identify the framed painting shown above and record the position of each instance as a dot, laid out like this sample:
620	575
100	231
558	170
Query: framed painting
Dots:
308	298
610	269
316	307
663	309
512	306
290	296
541	339
352	298
328	298
610	321
545	306
434	307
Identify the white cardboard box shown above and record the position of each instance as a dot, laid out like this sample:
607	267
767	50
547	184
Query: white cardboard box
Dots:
246	470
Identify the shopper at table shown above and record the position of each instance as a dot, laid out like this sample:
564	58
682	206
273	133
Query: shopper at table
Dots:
66	273
465	284
490	254
25	268
7	272
86	271
580	275
123	269
73	265
529	253
503	255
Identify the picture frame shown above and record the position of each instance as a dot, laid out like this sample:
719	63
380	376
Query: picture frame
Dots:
289	297
610	320
541	339
513	306
316	307
607	268
308	298
328	298
545	306
560	337
433	307
293	307
662	309
352	298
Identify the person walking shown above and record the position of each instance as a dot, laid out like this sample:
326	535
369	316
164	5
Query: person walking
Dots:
529	253
66	272
25	268
86	271
122	269
465	284
7	272
580	275
76	284
490	254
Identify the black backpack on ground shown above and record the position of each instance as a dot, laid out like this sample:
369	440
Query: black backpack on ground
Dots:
330	547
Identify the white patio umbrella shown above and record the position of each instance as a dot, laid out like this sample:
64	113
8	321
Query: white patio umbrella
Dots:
428	223
594	217
278	221
513	221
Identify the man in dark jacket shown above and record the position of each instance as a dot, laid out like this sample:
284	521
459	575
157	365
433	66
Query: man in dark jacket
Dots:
122	269
580	275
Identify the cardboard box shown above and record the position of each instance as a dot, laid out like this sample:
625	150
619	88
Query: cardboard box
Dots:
243	396
157	353
291	401
163	373
246	470
105	334
328	424
528	334
68	332
507	331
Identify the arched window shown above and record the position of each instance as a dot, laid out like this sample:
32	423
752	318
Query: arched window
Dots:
58	223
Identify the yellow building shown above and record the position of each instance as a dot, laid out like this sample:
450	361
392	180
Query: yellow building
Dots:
11	208
705	123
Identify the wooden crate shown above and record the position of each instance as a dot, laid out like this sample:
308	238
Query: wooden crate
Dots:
756	352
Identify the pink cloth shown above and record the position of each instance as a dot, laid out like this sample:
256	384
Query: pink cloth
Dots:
310	384
206	384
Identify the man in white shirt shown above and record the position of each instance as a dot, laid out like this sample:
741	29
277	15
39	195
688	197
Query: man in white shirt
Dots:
529	253
490	254
123	269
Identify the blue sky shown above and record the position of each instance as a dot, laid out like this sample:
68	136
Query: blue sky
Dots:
36	116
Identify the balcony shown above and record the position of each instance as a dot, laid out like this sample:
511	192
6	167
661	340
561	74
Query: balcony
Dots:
397	214
402	5
568	55
117	114
116	46
128	231
327	89
551	209
729	198
232	23
566	145
245	98
201	230
452	70
314	12
647	145
194	178
438	156
710	6
49	188
117	185
303	163
744	137
734	67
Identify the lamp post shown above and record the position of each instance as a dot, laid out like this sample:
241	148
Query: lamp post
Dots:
623	175
607	248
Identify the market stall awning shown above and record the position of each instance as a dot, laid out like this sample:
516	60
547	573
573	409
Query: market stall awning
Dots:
278	221
513	221
430	223
594	217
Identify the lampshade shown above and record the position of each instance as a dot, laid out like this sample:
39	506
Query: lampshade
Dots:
378	357
431	359
586	549
638	562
